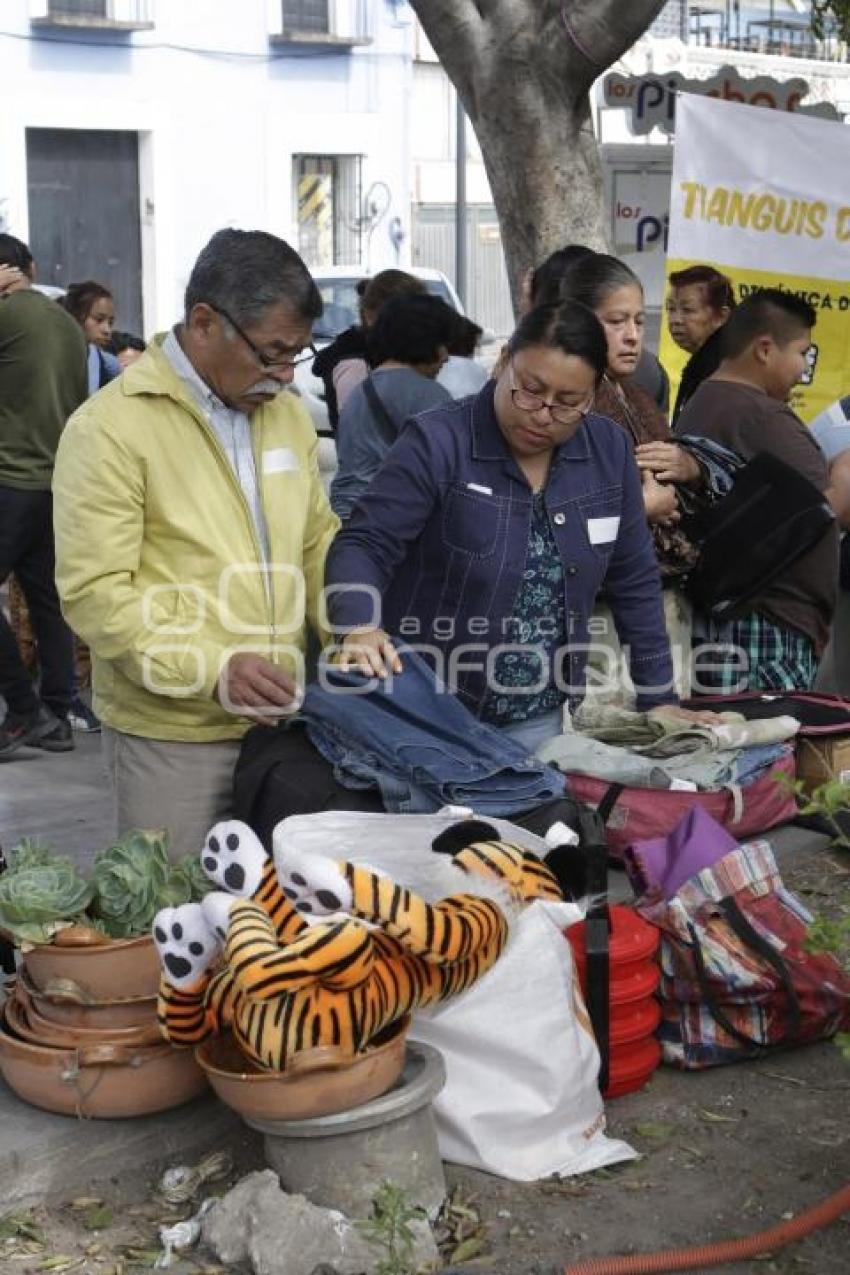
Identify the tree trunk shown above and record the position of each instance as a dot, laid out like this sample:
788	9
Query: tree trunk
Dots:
523	70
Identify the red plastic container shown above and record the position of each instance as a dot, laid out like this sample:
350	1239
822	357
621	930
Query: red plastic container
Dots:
634	1013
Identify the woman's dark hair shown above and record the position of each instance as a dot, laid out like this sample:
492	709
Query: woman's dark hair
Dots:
410	329
382	287
14	252
244	272
719	292
80	297
569	327
126	341
547	279
465	337
592	278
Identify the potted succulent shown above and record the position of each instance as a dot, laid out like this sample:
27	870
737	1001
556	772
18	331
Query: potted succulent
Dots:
94	935
78	1033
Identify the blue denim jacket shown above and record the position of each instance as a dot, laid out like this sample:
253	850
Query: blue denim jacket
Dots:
435	549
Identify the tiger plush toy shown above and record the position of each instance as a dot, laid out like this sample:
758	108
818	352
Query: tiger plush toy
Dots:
247	960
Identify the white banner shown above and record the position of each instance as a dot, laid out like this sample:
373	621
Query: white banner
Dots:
764	197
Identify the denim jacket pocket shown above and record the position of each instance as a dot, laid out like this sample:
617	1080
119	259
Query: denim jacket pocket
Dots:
471	522
599	515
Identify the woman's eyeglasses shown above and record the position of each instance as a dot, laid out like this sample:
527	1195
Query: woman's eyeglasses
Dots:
286	360
528	402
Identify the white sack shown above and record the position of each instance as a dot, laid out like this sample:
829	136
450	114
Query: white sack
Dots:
521	1098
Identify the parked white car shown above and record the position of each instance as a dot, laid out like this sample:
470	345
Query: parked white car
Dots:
338	286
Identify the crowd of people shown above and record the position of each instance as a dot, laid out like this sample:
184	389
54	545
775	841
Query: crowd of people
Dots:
509	527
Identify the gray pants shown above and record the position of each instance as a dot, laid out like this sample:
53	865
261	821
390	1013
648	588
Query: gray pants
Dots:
158	783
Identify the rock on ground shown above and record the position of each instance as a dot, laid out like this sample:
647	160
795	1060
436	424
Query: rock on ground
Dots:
280	1234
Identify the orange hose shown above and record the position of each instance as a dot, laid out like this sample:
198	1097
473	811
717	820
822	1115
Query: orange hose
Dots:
688	1259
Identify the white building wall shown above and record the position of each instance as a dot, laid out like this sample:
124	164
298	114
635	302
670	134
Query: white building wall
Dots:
220	112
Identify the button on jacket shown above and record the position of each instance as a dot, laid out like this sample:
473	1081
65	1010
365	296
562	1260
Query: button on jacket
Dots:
435	550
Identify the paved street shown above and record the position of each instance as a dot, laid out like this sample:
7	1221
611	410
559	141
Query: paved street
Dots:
60	797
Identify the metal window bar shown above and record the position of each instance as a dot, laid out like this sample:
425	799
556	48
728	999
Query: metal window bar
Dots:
308	17
79	8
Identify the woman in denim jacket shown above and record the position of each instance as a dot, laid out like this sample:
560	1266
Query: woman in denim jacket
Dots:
490	529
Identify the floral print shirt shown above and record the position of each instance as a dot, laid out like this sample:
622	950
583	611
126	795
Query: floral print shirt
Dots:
538	622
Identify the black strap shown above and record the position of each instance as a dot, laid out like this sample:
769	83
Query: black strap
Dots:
609	800
596	933
387	427
743	930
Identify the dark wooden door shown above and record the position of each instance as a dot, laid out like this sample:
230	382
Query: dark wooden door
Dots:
83	192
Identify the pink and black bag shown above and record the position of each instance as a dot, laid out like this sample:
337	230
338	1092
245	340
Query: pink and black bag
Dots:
636	814
737	978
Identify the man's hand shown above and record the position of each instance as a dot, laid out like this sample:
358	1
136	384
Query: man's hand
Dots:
252	686
659	502
371	651
669	462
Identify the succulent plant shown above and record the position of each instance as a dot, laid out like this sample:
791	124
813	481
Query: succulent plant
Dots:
33	898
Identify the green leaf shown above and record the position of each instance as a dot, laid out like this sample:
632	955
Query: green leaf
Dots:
129	879
32	897
468	1249
98	1217
651	1129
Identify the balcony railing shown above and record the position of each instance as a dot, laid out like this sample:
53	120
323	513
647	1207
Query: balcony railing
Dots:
762	28
121	15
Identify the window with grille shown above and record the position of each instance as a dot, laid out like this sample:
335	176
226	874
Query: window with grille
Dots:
78	8
327	195
306	16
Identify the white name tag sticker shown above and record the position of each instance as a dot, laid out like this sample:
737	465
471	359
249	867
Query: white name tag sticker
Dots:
485	491
280	460
602	530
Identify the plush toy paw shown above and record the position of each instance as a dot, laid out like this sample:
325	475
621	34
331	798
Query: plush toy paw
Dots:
233	857
187	946
313	883
216	909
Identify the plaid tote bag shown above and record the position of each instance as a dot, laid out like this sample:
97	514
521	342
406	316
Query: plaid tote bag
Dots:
736	977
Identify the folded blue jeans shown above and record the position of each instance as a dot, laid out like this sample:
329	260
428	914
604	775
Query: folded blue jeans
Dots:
419	744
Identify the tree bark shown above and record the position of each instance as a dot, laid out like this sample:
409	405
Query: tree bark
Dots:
523	70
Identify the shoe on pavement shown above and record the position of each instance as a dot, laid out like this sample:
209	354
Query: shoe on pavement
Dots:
83	718
60	739
22	729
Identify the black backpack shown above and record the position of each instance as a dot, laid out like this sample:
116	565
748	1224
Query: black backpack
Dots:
771	517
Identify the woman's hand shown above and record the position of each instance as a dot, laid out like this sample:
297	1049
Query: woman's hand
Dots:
669	462
371	651
659	502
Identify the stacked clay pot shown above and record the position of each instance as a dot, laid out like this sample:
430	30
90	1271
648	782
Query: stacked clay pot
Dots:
79	1034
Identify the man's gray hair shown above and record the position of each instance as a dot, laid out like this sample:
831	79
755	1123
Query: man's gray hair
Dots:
246	271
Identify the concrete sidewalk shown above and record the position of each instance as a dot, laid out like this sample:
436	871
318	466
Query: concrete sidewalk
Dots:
61	797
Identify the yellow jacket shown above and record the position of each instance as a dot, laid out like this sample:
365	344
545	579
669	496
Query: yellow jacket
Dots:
158	563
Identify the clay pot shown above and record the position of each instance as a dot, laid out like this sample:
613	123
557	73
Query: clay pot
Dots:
27	1023
120	970
63	1002
99	1081
318	1082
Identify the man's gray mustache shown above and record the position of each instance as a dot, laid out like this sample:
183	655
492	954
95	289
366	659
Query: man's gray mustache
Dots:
265	387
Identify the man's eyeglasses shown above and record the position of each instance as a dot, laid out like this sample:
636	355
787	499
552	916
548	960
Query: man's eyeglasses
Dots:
285	360
559	412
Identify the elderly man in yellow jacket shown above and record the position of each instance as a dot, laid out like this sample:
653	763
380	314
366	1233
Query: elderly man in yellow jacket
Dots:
191	534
